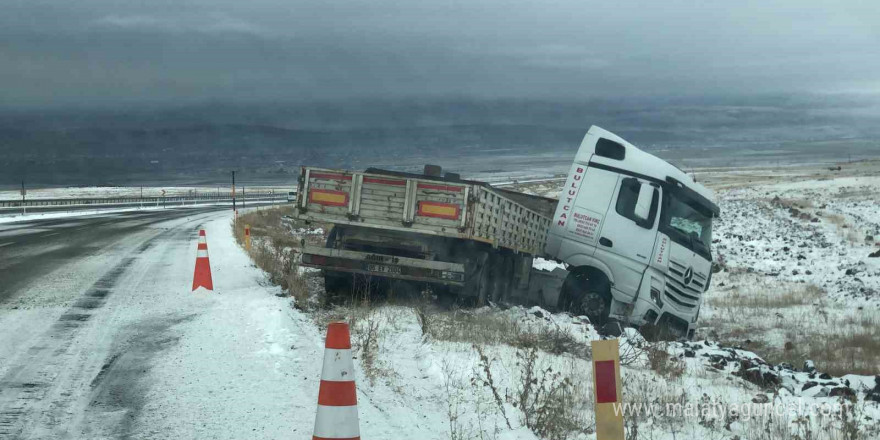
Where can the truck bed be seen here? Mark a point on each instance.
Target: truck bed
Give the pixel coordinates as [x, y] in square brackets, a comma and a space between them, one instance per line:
[417, 203]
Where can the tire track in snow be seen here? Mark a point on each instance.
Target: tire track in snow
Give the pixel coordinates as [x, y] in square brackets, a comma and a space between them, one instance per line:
[119, 389]
[111, 392]
[27, 383]
[30, 401]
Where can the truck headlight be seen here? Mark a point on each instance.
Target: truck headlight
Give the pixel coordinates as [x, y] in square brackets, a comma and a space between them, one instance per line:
[657, 292]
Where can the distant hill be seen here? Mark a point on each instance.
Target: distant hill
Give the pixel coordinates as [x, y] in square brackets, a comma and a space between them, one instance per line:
[205, 153]
[268, 142]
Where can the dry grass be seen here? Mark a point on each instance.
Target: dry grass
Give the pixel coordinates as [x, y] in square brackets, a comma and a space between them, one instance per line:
[847, 230]
[851, 347]
[268, 225]
[275, 249]
[552, 402]
[662, 363]
[803, 295]
[786, 322]
[855, 236]
[465, 326]
[496, 328]
[803, 209]
[836, 219]
[794, 203]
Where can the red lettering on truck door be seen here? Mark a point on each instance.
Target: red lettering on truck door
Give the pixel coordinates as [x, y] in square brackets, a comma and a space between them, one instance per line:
[572, 191]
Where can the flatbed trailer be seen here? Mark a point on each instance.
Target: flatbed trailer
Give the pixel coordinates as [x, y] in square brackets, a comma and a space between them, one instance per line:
[458, 234]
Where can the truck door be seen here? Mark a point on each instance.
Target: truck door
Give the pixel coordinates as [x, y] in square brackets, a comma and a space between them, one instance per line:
[582, 206]
[626, 240]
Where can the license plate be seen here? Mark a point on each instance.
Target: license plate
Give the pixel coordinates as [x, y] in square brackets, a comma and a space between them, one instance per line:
[381, 268]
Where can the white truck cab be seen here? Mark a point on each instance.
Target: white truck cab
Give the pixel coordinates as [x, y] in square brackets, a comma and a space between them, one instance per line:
[636, 233]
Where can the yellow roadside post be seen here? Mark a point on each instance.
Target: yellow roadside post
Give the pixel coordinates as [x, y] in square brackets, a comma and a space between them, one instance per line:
[606, 390]
[247, 237]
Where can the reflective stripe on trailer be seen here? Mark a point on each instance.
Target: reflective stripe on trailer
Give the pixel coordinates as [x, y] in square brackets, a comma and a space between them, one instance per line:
[439, 210]
[328, 197]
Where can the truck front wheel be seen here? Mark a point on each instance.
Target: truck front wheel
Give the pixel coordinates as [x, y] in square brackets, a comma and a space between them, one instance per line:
[587, 293]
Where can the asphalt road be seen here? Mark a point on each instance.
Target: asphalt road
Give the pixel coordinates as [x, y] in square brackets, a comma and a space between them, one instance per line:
[77, 332]
[30, 250]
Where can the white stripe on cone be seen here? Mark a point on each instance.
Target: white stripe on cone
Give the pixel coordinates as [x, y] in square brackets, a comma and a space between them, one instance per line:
[203, 253]
[203, 239]
[338, 366]
[337, 422]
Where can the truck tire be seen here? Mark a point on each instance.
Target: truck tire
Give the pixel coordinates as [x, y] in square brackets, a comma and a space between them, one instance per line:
[477, 284]
[331, 237]
[587, 293]
[447, 296]
[338, 284]
[499, 277]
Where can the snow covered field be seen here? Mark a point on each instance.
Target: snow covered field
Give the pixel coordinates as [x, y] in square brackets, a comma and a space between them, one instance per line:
[802, 273]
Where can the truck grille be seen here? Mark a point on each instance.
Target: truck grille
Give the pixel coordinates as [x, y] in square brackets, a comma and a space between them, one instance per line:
[685, 295]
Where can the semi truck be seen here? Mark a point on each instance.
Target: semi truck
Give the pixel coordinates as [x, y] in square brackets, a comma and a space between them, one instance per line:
[633, 232]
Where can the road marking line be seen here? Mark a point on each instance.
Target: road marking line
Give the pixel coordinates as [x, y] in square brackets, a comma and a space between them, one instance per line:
[7, 244]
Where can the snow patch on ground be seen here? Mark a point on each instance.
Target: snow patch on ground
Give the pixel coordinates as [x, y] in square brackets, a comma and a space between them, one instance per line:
[548, 265]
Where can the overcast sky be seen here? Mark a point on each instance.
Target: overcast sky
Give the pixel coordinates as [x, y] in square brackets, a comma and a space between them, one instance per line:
[100, 52]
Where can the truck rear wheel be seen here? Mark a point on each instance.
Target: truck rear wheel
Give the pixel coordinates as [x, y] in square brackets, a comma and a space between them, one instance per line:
[499, 277]
[338, 283]
[477, 285]
[587, 293]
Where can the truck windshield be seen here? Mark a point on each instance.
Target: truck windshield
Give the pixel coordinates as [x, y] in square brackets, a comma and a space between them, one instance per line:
[687, 223]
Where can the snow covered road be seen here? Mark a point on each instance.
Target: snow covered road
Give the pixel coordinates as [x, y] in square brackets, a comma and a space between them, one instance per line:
[102, 338]
[35, 250]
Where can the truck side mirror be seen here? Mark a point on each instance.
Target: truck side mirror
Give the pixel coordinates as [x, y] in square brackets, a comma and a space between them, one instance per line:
[642, 210]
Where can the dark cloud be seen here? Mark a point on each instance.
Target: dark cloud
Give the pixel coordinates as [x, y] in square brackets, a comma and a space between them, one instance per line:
[100, 52]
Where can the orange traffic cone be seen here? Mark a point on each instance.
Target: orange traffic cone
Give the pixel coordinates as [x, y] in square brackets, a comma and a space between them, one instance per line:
[202, 275]
[337, 416]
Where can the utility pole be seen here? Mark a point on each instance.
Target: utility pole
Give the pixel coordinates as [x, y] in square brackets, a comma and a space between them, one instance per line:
[23, 193]
[243, 197]
[142, 197]
[233, 193]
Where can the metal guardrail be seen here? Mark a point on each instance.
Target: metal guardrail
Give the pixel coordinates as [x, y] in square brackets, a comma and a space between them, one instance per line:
[8, 206]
